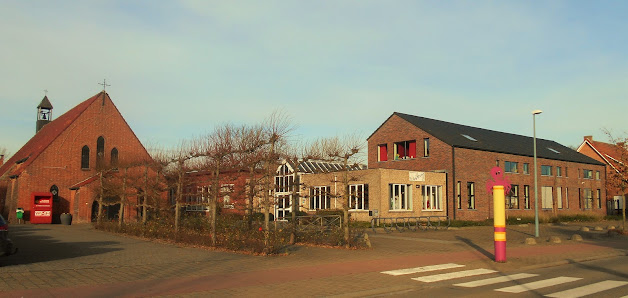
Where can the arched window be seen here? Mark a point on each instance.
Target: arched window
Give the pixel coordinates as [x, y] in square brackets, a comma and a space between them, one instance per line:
[114, 157]
[85, 158]
[100, 151]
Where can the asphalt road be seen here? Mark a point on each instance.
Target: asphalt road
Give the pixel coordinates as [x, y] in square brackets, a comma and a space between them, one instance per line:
[600, 278]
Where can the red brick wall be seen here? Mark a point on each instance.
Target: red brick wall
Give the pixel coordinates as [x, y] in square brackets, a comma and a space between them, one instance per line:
[474, 166]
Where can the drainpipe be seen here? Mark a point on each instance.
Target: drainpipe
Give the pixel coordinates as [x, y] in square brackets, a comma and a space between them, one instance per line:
[453, 182]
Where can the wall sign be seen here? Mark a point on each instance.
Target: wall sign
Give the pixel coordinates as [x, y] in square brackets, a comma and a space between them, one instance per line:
[417, 176]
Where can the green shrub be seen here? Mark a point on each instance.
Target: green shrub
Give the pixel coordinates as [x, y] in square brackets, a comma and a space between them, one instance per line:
[471, 223]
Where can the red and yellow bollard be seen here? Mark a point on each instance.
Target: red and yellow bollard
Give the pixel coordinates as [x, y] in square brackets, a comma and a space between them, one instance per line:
[499, 217]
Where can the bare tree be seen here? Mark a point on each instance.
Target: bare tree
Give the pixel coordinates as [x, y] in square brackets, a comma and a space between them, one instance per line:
[250, 143]
[618, 178]
[345, 151]
[296, 156]
[276, 129]
[219, 148]
[174, 165]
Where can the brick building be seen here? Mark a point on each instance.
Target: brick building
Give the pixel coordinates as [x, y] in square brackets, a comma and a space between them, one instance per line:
[233, 194]
[373, 192]
[568, 182]
[63, 157]
[612, 156]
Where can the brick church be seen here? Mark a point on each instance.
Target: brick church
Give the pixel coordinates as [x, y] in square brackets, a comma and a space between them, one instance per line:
[64, 156]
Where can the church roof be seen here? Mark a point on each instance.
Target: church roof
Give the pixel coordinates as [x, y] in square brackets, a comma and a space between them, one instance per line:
[44, 137]
[45, 103]
[468, 137]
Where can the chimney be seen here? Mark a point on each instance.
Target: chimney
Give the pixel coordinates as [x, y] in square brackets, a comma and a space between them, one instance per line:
[589, 138]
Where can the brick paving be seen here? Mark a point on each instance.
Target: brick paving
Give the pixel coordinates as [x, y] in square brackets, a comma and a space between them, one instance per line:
[61, 261]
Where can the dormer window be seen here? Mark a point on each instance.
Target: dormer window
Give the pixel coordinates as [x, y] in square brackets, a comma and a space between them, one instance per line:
[553, 150]
[405, 150]
[470, 138]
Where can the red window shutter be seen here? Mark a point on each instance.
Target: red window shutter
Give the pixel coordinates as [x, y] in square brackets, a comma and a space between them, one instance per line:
[412, 149]
[400, 150]
[383, 153]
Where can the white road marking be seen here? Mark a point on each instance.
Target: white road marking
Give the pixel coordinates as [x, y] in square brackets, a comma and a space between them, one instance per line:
[590, 289]
[459, 274]
[538, 284]
[495, 280]
[422, 269]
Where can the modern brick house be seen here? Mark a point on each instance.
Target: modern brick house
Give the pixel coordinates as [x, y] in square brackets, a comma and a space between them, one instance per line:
[568, 182]
[63, 156]
[612, 156]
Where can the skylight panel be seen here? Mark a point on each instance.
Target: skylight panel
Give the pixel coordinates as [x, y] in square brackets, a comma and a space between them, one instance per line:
[469, 137]
[553, 150]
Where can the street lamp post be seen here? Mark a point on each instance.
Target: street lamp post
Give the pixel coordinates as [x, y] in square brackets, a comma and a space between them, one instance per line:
[536, 192]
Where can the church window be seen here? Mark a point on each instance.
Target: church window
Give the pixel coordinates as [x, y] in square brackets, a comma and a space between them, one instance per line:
[85, 158]
[114, 157]
[100, 151]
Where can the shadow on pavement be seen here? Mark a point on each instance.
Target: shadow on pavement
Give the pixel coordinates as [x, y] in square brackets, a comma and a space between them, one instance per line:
[598, 269]
[476, 247]
[34, 246]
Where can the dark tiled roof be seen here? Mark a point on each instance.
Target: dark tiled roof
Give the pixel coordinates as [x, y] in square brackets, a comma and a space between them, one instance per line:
[45, 103]
[44, 137]
[495, 141]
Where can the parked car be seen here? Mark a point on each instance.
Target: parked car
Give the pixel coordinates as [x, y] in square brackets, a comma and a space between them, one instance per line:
[6, 246]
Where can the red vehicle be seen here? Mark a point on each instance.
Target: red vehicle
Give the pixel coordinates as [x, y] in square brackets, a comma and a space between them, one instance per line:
[6, 246]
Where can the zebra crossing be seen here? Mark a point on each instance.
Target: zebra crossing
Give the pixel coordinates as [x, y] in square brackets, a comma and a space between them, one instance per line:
[521, 287]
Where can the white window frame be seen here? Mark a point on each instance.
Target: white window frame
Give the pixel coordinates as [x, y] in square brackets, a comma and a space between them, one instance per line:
[320, 197]
[547, 199]
[225, 191]
[400, 197]
[432, 197]
[588, 199]
[354, 192]
[513, 196]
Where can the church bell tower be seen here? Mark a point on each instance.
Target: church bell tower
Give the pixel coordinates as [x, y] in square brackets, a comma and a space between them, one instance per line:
[44, 113]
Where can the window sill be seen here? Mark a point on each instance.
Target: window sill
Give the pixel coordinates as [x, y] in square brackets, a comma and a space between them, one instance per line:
[432, 210]
[401, 210]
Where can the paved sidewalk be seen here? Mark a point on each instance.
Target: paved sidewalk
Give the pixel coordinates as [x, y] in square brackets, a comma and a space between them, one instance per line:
[56, 261]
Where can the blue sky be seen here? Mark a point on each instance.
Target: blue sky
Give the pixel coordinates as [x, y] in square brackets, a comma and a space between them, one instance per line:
[178, 68]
